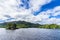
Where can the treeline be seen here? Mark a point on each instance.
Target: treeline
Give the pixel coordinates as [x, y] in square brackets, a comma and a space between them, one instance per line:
[23, 24]
[50, 26]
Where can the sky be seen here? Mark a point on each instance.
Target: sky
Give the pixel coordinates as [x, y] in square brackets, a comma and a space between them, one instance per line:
[34, 11]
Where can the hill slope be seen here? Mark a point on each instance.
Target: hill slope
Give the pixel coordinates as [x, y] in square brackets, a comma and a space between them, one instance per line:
[23, 24]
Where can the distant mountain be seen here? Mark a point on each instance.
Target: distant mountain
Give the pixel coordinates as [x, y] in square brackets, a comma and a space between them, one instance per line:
[23, 24]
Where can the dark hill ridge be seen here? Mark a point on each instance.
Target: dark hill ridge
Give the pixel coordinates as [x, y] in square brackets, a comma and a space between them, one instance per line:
[23, 24]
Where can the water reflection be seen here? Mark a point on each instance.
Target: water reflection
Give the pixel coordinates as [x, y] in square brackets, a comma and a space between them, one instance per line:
[30, 34]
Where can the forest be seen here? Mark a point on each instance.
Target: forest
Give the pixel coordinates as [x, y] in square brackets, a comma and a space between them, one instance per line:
[23, 24]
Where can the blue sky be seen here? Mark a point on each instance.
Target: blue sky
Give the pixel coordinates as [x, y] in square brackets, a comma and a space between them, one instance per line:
[42, 12]
[50, 5]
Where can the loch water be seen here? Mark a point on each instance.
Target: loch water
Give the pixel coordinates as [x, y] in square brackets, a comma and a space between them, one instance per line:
[30, 34]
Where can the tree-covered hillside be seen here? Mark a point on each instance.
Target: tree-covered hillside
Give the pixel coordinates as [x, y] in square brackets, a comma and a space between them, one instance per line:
[23, 24]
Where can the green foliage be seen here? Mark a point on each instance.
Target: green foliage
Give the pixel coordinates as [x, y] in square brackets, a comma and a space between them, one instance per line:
[23, 24]
[9, 25]
[50, 26]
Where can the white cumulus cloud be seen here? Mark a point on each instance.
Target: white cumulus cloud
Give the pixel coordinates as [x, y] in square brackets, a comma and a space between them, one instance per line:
[44, 16]
[12, 9]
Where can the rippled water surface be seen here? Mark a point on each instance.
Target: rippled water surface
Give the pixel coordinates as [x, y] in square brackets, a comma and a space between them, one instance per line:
[30, 34]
